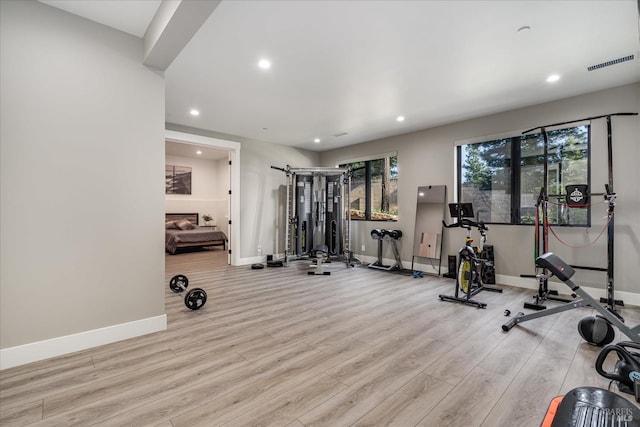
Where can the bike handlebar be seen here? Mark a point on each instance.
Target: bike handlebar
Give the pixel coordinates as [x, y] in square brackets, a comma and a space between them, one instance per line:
[467, 223]
[445, 225]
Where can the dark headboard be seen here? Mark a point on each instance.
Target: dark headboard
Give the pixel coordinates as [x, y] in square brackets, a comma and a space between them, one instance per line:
[193, 218]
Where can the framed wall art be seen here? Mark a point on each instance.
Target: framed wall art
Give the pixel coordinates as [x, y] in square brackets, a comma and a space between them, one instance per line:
[177, 179]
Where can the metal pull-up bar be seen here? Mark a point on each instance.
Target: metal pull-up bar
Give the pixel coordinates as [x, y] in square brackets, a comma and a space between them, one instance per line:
[610, 196]
[579, 120]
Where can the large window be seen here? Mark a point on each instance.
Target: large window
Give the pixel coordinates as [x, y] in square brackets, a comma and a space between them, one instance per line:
[374, 189]
[503, 178]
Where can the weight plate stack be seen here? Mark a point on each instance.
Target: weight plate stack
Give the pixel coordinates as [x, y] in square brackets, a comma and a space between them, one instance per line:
[179, 283]
[195, 299]
[488, 270]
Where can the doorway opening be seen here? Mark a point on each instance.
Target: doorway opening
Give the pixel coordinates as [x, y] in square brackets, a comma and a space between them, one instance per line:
[223, 206]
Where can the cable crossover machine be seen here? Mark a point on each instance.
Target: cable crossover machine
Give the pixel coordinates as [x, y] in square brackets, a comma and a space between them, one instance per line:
[576, 196]
[317, 226]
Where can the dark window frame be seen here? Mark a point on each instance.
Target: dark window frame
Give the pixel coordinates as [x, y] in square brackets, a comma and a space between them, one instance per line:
[515, 150]
[369, 188]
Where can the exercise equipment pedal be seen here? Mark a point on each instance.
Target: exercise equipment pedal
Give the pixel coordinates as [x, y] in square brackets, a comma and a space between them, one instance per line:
[195, 298]
[320, 255]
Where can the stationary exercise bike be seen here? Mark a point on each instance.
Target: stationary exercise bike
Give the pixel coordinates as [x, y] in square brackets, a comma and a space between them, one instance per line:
[472, 267]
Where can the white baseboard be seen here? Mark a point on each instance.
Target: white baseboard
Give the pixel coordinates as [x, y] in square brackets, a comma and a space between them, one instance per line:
[418, 265]
[629, 298]
[33, 352]
[366, 259]
[251, 260]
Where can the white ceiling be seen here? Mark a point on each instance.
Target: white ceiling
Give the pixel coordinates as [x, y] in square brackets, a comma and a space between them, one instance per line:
[130, 16]
[354, 66]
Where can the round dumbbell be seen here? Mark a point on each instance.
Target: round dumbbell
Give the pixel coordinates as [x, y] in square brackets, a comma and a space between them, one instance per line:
[394, 234]
[195, 298]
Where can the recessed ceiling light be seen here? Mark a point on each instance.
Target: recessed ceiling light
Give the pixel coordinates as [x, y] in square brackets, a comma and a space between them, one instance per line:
[553, 78]
[316, 140]
[194, 112]
[198, 152]
[400, 118]
[265, 64]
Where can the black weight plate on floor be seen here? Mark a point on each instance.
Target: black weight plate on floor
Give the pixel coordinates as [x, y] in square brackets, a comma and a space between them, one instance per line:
[488, 275]
[176, 281]
[195, 298]
[275, 263]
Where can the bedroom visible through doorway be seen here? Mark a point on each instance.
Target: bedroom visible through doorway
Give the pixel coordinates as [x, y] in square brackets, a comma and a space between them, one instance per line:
[210, 163]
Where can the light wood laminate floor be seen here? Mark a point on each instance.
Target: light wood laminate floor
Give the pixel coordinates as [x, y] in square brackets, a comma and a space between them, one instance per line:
[278, 347]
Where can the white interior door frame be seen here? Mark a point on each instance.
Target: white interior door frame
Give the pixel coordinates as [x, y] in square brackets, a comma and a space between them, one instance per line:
[234, 181]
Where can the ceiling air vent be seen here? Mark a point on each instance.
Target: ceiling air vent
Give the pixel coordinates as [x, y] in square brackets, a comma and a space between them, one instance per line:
[612, 62]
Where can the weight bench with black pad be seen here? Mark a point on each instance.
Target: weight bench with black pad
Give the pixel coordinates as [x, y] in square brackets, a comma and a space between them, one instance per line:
[564, 272]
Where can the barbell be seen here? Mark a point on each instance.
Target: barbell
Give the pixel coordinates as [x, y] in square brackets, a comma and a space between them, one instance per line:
[195, 298]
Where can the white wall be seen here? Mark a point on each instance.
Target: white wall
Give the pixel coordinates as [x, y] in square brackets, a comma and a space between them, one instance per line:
[209, 190]
[82, 197]
[427, 157]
